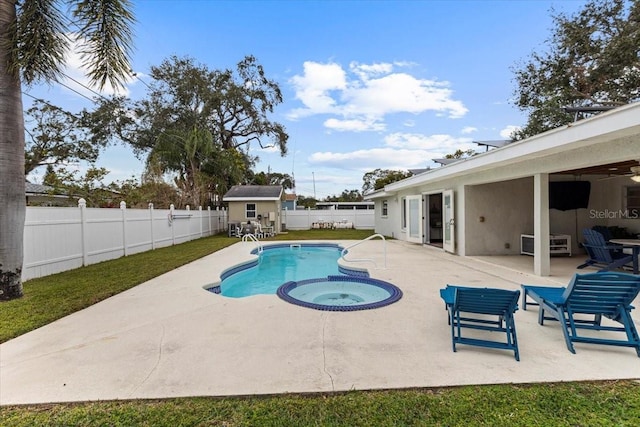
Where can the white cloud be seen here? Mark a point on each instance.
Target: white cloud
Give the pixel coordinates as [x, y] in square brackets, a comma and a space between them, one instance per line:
[436, 143]
[400, 151]
[366, 160]
[507, 131]
[314, 88]
[365, 71]
[468, 129]
[369, 92]
[354, 125]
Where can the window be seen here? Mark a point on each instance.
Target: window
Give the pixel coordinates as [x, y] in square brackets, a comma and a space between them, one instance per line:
[404, 213]
[250, 210]
[632, 202]
[385, 208]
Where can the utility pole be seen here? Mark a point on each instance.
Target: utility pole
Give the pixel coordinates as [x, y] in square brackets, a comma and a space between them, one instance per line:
[313, 175]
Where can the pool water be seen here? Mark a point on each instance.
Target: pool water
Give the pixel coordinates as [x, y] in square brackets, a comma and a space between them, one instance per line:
[280, 264]
[340, 293]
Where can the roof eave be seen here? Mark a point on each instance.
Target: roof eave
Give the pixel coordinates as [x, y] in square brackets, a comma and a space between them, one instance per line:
[583, 133]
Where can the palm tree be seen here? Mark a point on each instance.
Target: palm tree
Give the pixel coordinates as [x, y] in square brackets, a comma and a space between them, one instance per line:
[34, 39]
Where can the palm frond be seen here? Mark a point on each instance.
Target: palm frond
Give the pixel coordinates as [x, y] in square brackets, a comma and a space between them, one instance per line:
[105, 29]
[40, 42]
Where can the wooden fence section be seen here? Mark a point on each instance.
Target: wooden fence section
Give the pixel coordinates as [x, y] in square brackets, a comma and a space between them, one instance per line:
[58, 239]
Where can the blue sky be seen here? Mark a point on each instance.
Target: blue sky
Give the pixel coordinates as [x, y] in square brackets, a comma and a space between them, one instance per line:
[366, 84]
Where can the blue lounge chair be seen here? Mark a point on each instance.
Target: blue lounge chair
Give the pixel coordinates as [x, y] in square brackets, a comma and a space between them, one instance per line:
[605, 255]
[597, 294]
[481, 306]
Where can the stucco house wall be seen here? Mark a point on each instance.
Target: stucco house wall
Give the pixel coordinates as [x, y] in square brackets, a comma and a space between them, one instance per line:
[496, 215]
[499, 185]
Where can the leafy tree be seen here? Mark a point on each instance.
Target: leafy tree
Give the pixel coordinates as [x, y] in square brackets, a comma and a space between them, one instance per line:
[307, 202]
[139, 195]
[33, 44]
[378, 178]
[460, 154]
[346, 196]
[55, 137]
[273, 178]
[225, 169]
[593, 59]
[184, 153]
[232, 106]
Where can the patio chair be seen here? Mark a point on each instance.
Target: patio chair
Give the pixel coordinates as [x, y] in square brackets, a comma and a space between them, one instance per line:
[484, 309]
[607, 294]
[605, 255]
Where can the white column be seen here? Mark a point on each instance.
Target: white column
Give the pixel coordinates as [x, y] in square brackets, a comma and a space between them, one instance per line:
[541, 255]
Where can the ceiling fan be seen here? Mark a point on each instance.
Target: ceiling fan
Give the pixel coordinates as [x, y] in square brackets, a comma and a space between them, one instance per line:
[634, 174]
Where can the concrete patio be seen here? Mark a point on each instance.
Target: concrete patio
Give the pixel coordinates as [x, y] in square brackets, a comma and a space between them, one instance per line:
[169, 337]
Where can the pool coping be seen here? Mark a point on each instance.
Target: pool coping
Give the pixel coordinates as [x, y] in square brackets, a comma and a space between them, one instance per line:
[395, 294]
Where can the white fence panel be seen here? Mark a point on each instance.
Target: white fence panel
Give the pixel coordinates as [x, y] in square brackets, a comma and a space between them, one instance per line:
[138, 234]
[58, 239]
[362, 219]
[52, 241]
[104, 234]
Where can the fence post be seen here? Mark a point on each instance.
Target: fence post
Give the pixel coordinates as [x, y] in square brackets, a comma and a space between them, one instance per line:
[82, 204]
[355, 217]
[189, 235]
[209, 216]
[123, 208]
[173, 231]
[200, 218]
[153, 239]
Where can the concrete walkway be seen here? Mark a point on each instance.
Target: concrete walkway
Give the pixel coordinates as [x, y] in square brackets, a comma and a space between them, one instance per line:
[169, 337]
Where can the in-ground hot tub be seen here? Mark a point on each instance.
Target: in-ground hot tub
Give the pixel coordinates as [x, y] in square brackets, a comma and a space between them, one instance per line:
[340, 293]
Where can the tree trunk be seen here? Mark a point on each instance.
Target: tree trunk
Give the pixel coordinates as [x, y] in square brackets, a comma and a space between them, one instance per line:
[12, 179]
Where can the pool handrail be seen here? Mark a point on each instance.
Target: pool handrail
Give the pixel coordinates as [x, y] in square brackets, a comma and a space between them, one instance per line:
[384, 248]
[249, 236]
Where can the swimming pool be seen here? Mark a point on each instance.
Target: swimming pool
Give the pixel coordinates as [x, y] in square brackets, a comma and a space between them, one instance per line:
[306, 274]
[278, 264]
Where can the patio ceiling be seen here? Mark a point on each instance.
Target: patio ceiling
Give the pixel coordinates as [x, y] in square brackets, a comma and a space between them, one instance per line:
[619, 168]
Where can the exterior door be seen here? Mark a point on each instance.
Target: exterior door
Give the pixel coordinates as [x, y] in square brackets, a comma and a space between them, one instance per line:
[414, 223]
[448, 221]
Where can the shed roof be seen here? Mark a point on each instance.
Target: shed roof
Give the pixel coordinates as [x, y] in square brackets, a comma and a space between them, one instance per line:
[253, 192]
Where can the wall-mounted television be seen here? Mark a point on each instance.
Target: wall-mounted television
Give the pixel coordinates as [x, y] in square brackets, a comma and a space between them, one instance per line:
[568, 195]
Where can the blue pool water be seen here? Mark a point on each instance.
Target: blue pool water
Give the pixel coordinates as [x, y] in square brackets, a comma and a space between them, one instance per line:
[279, 264]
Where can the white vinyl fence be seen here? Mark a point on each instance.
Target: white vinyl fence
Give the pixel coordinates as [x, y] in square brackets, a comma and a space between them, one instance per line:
[58, 239]
[362, 219]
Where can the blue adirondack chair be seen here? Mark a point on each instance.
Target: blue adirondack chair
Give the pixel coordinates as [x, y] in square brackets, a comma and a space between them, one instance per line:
[605, 255]
[608, 294]
[483, 309]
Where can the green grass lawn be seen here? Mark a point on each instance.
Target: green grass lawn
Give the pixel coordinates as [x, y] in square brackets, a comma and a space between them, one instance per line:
[52, 297]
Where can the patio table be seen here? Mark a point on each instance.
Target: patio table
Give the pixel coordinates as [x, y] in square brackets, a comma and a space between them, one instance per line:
[634, 245]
